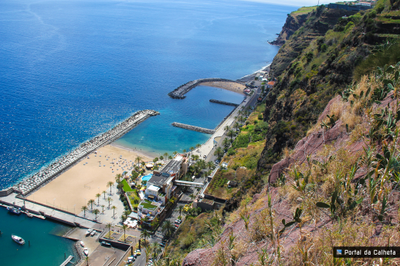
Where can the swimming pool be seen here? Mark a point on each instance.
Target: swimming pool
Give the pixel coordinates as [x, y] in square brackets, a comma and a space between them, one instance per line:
[146, 177]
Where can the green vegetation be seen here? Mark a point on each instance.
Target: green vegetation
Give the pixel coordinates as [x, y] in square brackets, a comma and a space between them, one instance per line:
[148, 204]
[304, 10]
[126, 187]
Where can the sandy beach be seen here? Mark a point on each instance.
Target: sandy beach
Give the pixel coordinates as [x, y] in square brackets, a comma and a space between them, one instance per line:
[76, 186]
[231, 86]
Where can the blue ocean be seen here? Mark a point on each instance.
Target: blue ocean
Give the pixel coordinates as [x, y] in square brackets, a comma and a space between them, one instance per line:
[70, 70]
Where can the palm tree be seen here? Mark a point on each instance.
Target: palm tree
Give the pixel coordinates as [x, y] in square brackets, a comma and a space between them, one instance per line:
[226, 143]
[175, 153]
[84, 209]
[191, 149]
[155, 160]
[109, 202]
[144, 234]
[104, 194]
[124, 227]
[109, 184]
[87, 261]
[236, 126]
[96, 212]
[109, 229]
[184, 150]
[226, 128]
[198, 145]
[113, 208]
[102, 208]
[231, 133]
[167, 228]
[166, 155]
[155, 248]
[118, 178]
[91, 201]
[98, 198]
[219, 152]
[161, 157]
[210, 165]
[138, 160]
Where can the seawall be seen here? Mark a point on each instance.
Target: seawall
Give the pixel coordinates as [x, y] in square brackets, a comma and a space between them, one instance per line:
[179, 93]
[223, 102]
[194, 128]
[54, 169]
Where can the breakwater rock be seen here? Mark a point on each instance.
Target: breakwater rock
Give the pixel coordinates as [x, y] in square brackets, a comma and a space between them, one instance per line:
[194, 128]
[223, 102]
[46, 174]
[179, 93]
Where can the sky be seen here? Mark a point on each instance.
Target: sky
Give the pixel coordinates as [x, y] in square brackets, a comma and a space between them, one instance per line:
[297, 3]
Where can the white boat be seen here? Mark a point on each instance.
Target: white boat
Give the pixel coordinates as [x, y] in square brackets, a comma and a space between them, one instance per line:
[18, 239]
[82, 244]
[86, 251]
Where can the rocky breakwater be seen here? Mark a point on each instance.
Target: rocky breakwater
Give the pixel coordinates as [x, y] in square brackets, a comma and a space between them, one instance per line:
[223, 102]
[46, 174]
[194, 128]
[179, 93]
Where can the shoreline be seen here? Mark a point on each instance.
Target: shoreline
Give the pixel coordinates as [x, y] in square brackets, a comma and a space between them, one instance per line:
[67, 161]
[142, 153]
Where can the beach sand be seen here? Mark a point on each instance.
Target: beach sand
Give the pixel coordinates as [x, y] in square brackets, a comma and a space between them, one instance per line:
[76, 186]
[232, 86]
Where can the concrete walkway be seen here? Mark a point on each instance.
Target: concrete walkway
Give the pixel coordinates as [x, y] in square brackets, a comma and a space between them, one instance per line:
[207, 147]
[48, 212]
[108, 215]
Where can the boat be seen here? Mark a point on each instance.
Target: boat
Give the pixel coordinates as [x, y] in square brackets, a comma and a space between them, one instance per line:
[14, 210]
[18, 239]
[30, 215]
[86, 251]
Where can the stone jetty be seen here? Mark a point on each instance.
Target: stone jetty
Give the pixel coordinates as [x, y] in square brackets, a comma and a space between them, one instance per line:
[46, 174]
[194, 128]
[223, 102]
[179, 93]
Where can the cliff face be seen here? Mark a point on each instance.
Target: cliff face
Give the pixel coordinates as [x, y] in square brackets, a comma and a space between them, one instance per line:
[299, 31]
[293, 23]
[324, 154]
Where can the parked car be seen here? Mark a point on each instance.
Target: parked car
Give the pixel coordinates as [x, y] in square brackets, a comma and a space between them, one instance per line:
[178, 221]
[162, 244]
[106, 244]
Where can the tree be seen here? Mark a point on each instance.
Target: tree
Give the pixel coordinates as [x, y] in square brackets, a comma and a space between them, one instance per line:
[161, 157]
[166, 155]
[184, 150]
[124, 227]
[104, 194]
[236, 126]
[98, 198]
[138, 160]
[155, 160]
[109, 184]
[167, 228]
[226, 128]
[102, 208]
[109, 202]
[96, 212]
[109, 229]
[198, 145]
[219, 152]
[84, 209]
[91, 201]
[231, 133]
[144, 234]
[113, 208]
[226, 143]
[175, 153]
[118, 178]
